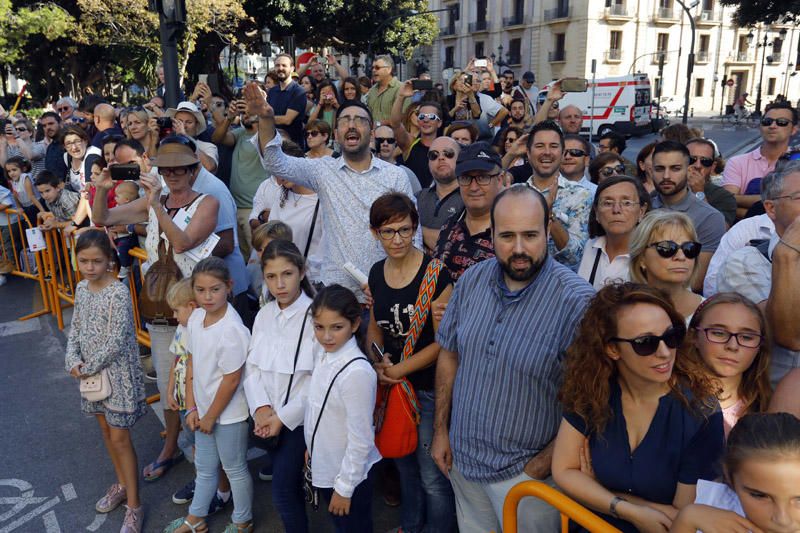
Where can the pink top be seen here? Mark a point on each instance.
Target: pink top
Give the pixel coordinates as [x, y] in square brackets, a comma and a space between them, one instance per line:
[731, 415]
[742, 169]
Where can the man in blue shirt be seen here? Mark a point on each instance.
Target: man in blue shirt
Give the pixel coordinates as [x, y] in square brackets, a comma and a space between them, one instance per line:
[288, 99]
[507, 325]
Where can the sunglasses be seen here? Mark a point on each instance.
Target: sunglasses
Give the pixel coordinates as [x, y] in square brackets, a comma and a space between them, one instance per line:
[648, 344]
[667, 249]
[22, 129]
[312, 133]
[433, 155]
[705, 161]
[617, 170]
[782, 122]
[575, 152]
[65, 108]
[428, 116]
[381, 140]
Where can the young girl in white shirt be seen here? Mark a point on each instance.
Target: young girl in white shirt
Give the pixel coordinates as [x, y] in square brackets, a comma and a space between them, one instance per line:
[338, 431]
[216, 407]
[762, 475]
[278, 373]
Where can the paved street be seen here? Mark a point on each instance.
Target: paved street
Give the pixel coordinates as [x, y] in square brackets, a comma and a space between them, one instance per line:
[54, 466]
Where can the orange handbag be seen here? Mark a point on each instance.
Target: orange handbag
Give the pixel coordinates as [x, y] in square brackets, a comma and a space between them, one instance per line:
[396, 408]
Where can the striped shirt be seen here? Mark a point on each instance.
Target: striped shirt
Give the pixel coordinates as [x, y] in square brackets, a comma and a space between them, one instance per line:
[510, 362]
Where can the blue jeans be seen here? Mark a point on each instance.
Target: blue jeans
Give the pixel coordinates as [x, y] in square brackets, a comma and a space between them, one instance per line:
[287, 479]
[226, 444]
[428, 500]
[360, 518]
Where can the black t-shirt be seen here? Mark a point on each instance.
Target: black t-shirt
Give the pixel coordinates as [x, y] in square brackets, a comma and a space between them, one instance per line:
[418, 163]
[521, 173]
[392, 309]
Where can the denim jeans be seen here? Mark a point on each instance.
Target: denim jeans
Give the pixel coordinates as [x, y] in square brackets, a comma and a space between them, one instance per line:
[360, 518]
[287, 479]
[226, 444]
[428, 501]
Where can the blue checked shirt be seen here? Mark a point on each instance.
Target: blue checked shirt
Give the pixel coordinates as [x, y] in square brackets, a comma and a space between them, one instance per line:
[510, 354]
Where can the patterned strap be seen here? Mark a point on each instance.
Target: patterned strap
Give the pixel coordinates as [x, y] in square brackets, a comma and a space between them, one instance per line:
[422, 306]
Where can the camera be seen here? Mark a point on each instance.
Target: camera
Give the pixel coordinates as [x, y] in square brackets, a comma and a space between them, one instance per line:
[165, 126]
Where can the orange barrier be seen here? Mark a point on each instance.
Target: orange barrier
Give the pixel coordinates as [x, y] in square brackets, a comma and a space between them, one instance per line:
[23, 267]
[569, 508]
[142, 334]
[61, 272]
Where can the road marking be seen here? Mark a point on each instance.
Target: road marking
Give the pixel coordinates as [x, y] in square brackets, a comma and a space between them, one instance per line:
[19, 327]
[27, 517]
[51, 522]
[20, 502]
[99, 520]
[69, 492]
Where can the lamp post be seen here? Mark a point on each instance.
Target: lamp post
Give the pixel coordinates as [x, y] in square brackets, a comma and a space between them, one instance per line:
[266, 44]
[690, 61]
[764, 59]
[171, 25]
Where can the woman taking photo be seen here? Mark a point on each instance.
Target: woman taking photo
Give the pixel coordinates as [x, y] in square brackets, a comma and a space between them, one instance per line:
[641, 423]
[462, 102]
[138, 127]
[396, 283]
[664, 250]
[619, 205]
[328, 101]
[78, 156]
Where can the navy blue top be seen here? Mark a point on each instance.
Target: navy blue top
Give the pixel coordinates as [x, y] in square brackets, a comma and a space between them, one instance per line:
[293, 97]
[680, 447]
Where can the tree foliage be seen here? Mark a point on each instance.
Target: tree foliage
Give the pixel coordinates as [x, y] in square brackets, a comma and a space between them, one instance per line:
[751, 12]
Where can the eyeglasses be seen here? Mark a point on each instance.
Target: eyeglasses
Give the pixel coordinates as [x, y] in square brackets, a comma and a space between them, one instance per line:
[483, 179]
[387, 140]
[608, 205]
[667, 249]
[722, 336]
[433, 155]
[782, 122]
[793, 197]
[387, 234]
[359, 121]
[648, 344]
[174, 171]
[428, 116]
[21, 130]
[705, 161]
[575, 152]
[617, 170]
[63, 108]
[312, 133]
[74, 143]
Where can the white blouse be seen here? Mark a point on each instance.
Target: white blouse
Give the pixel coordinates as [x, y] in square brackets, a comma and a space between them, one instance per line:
[270, 360]
[217, 350]
[607, 271]
[298, 213]
[344, 448]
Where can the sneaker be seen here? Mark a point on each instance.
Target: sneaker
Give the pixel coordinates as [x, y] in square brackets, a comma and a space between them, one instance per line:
[217, 504]
[3, 280]
[116, 495]
[123, 272]
[184, 495]
[265, 474]
[132, 523]
[151, 376]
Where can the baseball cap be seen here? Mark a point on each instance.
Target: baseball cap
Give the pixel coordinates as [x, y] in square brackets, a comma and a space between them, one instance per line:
[529, 77]
[477, 156]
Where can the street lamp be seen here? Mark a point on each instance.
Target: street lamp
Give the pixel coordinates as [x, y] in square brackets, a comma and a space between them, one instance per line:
[690, 63]
[500, 61]
[764, 44]
[266, 43]
[172, 23]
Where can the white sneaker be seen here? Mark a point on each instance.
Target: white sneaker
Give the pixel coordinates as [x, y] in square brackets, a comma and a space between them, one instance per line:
[3, 280]
[123, 272]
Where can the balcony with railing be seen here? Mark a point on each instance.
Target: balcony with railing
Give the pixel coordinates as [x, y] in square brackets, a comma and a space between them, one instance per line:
[702, 56]
[514, 20]
[776, 57]
[655, 58]
[557, 14]
[447, 31]
[613, 55]
[617, 13]
[479, 25]
[708, 17]
[665, 15]
[740, 57]
[557, 56]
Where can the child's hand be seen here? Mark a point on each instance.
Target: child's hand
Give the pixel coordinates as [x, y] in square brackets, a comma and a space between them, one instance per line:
[192, 420]
[340, 506]
[261, 418]
[274, 426]
[172, 404]
[76, 371]
[206, 425]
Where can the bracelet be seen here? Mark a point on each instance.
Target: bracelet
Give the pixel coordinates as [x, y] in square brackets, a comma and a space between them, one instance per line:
[612, 507]
[791, 247]
[190, 411]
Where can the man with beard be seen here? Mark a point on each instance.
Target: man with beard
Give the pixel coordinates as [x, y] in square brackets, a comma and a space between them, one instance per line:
[415, 150]
[702, 161]
[54, 151]
[288, 99]
[466, 238]
[670, 177]
[570, 203]
[246, 171]
[497, 378]
[442, 199]
[347, 186]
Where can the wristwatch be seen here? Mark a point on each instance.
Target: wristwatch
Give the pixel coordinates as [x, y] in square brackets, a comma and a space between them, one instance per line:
[612, 507]
[561, 217]
[700, 195]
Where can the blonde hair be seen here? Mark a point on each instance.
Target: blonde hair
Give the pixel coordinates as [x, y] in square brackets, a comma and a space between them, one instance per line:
[181, 293]
[272, 230]
[653, 223]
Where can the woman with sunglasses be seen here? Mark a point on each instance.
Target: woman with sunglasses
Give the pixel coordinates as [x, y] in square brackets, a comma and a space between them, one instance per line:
[508, 137]
[606, 165]
[641, 422]
[415, 150]
[395, 283]
[664, 252]
[318, 133]
[619, 204]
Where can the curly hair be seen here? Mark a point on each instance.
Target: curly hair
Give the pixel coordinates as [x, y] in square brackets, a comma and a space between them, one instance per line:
[586, 389]
[755, 390]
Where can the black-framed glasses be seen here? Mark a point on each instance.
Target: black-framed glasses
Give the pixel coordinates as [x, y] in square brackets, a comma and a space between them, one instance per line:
[22, 129]
[705, 161]
[575, 152]
[433, 155]
[482, 179]
[174, 171]
[387, 140]
[722, 336]
[428, 116]
[387, 234]
[667, 249]
[616, 170]
[645, 345]
[782, 122]
[312, 133]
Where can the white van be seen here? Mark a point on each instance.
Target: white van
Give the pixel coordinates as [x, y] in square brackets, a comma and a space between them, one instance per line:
[621, 104]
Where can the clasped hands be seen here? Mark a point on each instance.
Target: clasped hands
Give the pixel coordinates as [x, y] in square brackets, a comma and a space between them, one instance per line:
[267, 422]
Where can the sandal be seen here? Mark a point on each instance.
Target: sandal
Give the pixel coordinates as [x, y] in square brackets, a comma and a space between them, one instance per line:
[199, 527]
[161, 466]
[247, 527]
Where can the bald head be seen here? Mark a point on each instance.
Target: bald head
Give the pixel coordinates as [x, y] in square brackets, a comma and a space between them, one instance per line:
[385, 143]
[443, 168]
[571, 119]
[103, 116]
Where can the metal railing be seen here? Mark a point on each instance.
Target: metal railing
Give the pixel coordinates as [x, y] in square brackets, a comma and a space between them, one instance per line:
[657, 55]
[557, 55]
[702, 56]
[514, 20]
[447, 31]
[618, 10]
[557, 13]
[665, 13]
[613, 54]
[478, 25]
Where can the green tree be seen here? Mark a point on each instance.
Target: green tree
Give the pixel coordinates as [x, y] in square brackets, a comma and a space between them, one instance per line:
[751, 12]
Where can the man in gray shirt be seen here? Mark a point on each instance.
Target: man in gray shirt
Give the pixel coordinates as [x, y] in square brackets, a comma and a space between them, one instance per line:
[442, 199]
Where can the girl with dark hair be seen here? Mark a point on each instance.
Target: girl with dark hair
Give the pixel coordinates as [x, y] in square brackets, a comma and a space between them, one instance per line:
[644, 166]
[327, 102]
[762, 481]
[338, 424]
[18, 171]
[280, 361]
[729, 334]
[641, 421]
[350, 90]
[102, 343]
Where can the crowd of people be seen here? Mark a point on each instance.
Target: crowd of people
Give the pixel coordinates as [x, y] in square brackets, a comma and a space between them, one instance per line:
[336, 265]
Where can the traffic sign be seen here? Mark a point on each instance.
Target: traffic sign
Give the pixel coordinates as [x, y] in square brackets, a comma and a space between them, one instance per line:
[730, 82]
